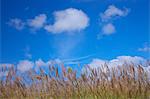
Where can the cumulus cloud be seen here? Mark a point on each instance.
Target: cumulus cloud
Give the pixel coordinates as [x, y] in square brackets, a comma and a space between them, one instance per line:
[113, 12]
[108, 17]
[119, 61]
[17, 23]
[97, 63]
[108, 29]
[25, 65]
[68, 20]
[38, 22]
[136, 60]
[40, 62]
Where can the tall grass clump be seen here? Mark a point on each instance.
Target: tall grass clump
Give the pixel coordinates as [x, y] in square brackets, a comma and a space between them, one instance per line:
[120, 82]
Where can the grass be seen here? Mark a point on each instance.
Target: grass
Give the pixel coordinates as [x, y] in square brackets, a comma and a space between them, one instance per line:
[122, 82]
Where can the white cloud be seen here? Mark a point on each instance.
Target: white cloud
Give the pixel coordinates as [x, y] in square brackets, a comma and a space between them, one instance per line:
[113, 12]
[25, 65]
[107, 18]
[136, 60]
[119, 61]
[17, 23]
[40, 62]
[38, 22]
[68, 20]
[58, 61]
[108, 29]
[146, 48]
[97, 63]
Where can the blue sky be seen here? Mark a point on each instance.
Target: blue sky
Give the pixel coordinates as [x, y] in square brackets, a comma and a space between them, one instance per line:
[73, 29]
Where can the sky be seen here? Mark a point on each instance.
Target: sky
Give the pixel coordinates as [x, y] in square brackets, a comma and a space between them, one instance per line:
[73, 31]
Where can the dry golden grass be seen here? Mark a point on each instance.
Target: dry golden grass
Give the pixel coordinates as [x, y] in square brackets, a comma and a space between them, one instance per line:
[124, 82]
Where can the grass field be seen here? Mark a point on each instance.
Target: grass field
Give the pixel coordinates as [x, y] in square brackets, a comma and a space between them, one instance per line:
[122, 82]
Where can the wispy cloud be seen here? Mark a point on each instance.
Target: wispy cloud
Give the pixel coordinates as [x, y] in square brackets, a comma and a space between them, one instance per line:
[27, 52]
[38, 22]
[145, 48]
[68, 20]
[73, 61]
[64, 46]
[79, 58]
[16, 23]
